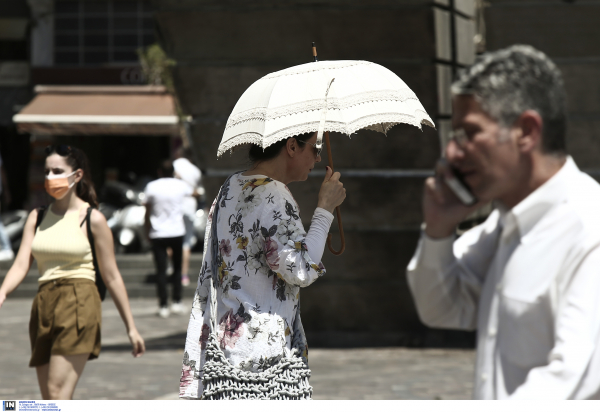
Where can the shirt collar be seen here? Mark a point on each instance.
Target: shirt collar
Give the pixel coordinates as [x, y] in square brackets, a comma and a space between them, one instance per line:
[530, 210]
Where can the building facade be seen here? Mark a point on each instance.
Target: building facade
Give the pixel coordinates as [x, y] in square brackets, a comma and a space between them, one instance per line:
[222, 47]
[77, 79]
[566, 30]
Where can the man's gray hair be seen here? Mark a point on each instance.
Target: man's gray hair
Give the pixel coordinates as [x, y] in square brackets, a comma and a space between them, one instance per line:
[510, 81]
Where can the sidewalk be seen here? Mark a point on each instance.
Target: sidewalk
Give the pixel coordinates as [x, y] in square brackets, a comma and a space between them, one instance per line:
[386, 373]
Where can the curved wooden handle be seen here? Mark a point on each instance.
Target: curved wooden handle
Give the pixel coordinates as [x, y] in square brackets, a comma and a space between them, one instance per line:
[342, 239]
[337, 209]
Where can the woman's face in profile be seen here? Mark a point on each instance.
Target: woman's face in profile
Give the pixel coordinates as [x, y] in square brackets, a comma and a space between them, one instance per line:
[304, 161]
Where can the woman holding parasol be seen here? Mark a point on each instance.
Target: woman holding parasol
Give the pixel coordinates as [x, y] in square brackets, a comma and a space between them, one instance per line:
[259, 254]
[263, 258]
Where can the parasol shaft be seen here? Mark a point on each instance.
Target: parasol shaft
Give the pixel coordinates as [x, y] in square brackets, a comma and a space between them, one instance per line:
[337, 209]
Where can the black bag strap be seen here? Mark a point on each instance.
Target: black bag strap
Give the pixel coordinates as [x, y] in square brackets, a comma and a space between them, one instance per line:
[40, 217]
[99, 281]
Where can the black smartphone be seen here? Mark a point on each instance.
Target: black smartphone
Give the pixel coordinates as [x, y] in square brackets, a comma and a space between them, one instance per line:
[458, 186]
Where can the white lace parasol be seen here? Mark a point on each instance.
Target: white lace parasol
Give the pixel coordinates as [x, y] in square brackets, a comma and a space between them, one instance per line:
[335, 96]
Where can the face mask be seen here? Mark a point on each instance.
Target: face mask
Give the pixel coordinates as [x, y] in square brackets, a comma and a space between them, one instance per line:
[58, 185]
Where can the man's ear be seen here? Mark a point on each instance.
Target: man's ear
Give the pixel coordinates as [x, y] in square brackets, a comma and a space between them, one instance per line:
[291, 147]
[530, 126]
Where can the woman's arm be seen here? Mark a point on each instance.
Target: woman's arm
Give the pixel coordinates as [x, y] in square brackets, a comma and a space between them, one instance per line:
[107, 264]
[331, 194]
[22, 263]
[317, 233]
[283, 239]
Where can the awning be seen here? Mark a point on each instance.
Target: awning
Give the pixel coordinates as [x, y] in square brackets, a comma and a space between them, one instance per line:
[99, 110]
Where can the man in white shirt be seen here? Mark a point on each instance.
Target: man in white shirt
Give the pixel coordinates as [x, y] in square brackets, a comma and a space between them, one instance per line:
[189, 173]
[528, 278]
[165, 228]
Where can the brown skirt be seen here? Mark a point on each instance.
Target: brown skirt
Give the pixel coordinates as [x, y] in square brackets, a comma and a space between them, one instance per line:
[66, 316]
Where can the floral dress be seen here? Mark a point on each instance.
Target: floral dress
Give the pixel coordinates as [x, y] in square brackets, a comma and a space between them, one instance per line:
[262, 263]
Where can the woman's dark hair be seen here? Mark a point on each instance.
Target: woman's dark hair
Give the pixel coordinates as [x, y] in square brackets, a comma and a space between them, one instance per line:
[77, 159]
[257, 154]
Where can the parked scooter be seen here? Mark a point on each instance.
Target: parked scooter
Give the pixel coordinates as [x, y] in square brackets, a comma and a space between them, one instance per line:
[122, 206]
[14, 223]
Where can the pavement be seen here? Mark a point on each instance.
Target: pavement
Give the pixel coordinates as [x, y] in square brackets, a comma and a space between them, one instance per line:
[369, 373]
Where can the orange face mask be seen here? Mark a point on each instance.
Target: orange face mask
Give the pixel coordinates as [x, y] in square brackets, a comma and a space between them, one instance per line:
[58, 185]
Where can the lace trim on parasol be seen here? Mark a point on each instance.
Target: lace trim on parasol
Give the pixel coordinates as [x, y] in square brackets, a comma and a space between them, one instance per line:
[333, 103]
[244, 138]
[379, 123]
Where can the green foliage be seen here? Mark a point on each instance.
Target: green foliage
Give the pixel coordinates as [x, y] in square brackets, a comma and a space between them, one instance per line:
[157, 66]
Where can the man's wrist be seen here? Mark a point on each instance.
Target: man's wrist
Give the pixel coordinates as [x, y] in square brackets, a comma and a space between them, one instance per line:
[438, 233]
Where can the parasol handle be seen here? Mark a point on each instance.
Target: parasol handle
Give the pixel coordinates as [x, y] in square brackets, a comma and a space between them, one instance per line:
[337, 209]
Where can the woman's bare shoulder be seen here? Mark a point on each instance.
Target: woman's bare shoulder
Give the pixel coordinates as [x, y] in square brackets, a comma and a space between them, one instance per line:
[97, 219]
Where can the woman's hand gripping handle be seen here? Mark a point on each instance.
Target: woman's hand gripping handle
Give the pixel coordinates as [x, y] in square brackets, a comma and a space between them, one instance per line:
[332, 192]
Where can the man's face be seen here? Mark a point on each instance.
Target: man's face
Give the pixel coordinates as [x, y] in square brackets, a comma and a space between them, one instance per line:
[489, 159]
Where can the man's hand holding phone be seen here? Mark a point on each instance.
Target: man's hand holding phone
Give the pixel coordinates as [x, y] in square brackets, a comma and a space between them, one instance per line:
[444, 201]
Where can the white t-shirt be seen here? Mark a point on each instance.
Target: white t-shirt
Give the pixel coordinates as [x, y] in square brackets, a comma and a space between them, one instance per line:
[192, 176]
[166, 197]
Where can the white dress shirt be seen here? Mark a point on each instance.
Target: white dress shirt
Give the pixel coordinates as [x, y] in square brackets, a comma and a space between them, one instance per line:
[528, 279]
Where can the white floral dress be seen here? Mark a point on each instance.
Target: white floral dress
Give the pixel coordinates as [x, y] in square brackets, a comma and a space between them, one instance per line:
[262, 264]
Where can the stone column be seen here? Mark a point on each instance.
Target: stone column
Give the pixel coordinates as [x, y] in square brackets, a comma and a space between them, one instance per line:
[42, 33]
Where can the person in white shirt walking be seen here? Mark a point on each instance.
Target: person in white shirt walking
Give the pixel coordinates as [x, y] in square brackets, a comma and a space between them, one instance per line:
[528, 278]
[165, 228]
[189, 173]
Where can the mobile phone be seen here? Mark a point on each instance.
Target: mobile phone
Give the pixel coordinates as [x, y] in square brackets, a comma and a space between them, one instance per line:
[458, 186]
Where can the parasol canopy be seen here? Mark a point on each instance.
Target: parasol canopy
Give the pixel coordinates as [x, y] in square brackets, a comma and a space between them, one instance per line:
[334, 96]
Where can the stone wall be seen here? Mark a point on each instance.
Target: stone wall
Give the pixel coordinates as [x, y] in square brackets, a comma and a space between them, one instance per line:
[222, 47]
[568, 33]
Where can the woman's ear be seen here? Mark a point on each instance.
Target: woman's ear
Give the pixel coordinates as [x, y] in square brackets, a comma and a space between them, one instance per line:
[291, 147]
[78, 175]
